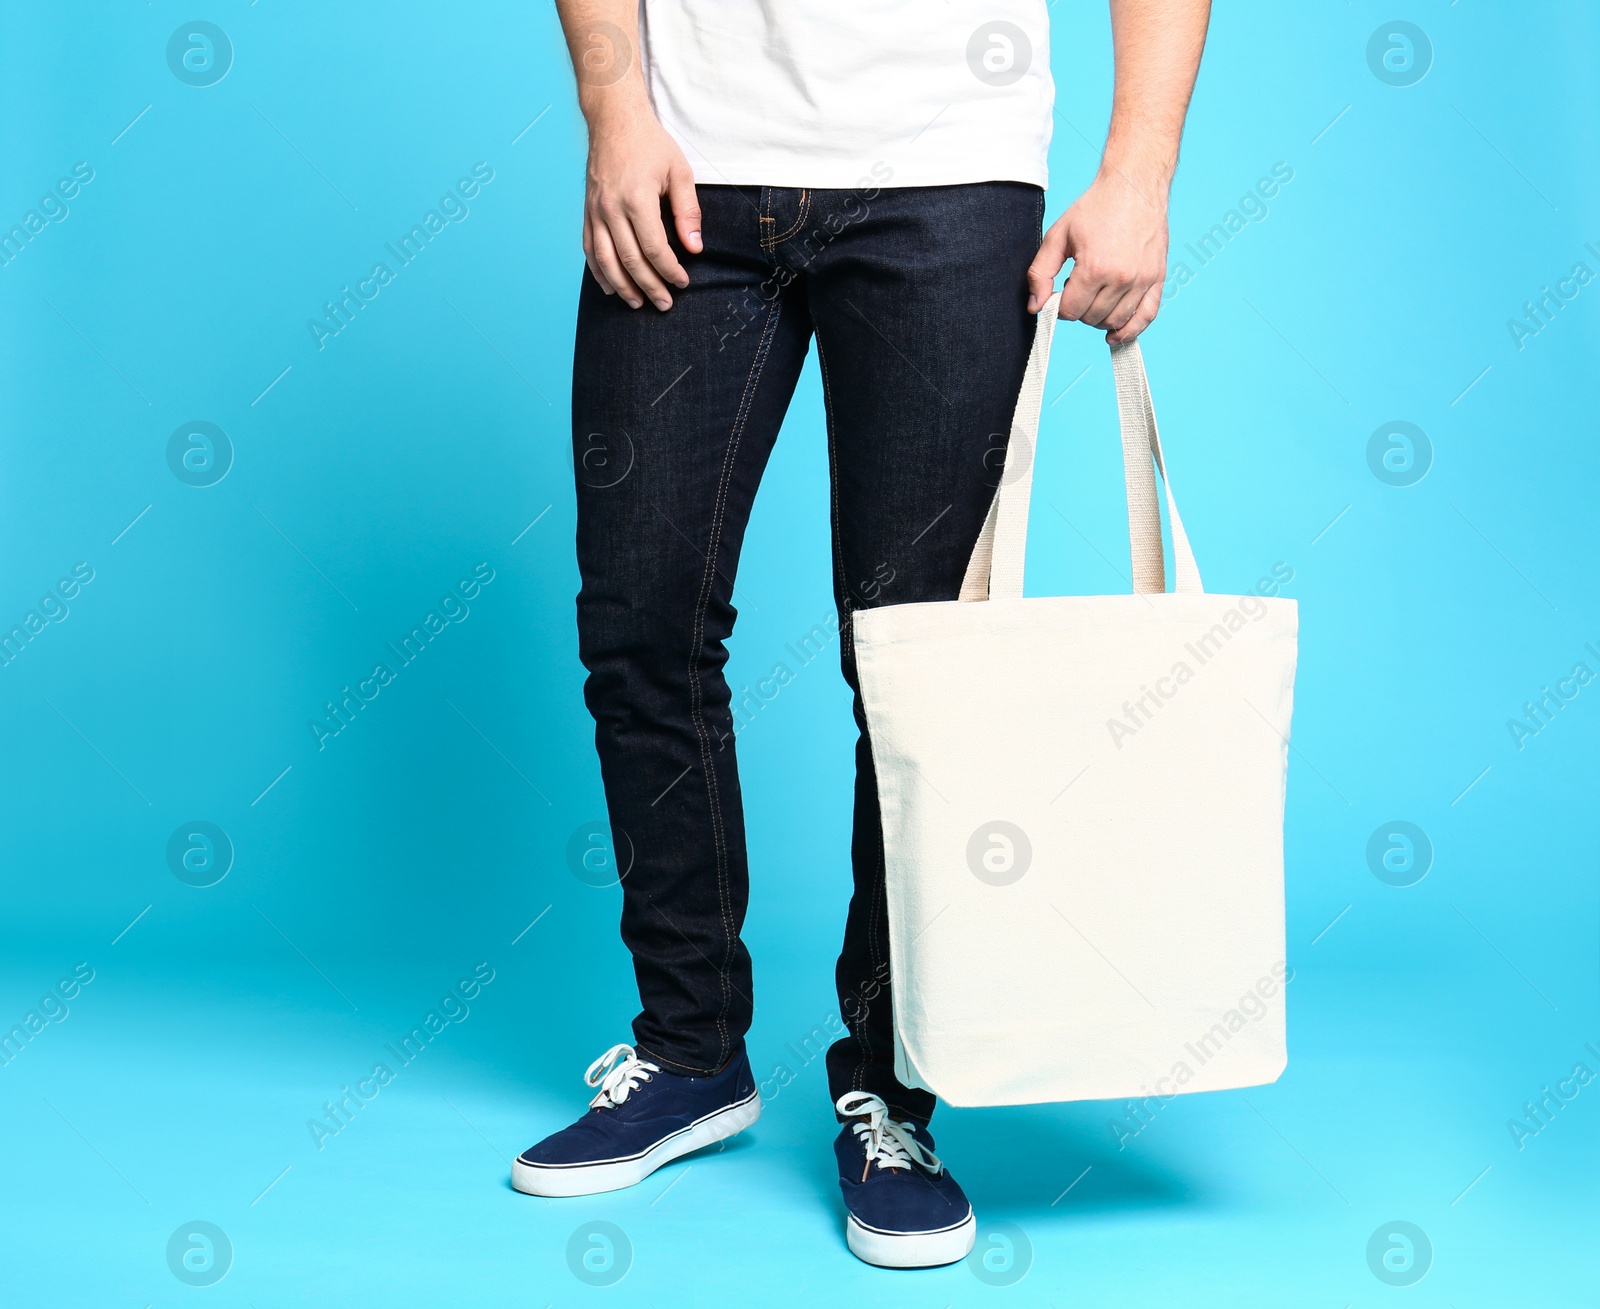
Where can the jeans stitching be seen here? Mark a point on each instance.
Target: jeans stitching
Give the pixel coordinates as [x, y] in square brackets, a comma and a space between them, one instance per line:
[801, 214]
[676, 1063]
[872, 953]
[833, 479]
[859, 1073]
[696, 717]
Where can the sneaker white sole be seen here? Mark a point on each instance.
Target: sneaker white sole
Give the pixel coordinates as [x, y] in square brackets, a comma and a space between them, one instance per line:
[911, 1249]
[614, 1175]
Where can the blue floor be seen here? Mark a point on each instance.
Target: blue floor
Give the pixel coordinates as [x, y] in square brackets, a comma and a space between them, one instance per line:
[158, 1105]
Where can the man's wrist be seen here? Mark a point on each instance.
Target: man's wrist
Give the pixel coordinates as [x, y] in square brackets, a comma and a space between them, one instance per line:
[608, 108]
[1148, 173]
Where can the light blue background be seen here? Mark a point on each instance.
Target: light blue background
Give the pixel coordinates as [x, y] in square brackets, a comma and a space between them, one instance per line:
[431, 436]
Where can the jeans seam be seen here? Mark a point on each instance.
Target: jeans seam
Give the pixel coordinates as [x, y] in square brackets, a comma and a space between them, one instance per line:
[764, 215]
[872, 954]
[833, 480]
[676, 1063]
[858, 1075]
[702, 604]
[801, 215]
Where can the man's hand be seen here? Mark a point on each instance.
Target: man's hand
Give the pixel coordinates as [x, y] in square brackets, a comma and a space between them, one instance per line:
[632, 160]
[1116, 236]
[632, 164]
[1116, 232]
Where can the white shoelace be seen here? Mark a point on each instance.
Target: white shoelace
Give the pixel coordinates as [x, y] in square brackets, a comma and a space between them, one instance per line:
[617, 1072]
[889, 1144]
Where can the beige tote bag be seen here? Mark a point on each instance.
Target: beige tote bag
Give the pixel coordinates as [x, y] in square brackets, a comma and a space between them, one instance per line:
[1083, 809]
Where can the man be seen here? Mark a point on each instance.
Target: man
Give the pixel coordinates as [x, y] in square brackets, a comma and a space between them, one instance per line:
[761, 172]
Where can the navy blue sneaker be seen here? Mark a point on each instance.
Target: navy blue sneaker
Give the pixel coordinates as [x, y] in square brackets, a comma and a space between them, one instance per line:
[640, 1118]
[906, 1211]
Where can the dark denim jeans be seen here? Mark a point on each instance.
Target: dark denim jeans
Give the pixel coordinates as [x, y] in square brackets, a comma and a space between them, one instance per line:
[917, 299]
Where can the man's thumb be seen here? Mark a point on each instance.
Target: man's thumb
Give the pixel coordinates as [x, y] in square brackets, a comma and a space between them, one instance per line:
[685, 207]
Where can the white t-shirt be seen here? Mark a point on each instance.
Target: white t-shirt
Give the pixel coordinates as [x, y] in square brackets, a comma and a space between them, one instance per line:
[848, 93]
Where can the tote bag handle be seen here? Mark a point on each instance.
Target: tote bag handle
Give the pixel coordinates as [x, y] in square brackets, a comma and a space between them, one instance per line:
[994, 571]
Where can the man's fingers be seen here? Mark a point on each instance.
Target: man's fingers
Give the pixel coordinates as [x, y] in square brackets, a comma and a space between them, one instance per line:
[1148, 308]
[1083, 287]
[1046, 264]
[1108, 293]
[650, 230]
[589, 258]
[1122, 312]
[612, 279]
[685, 204]
[637, 266]
[611, 269]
